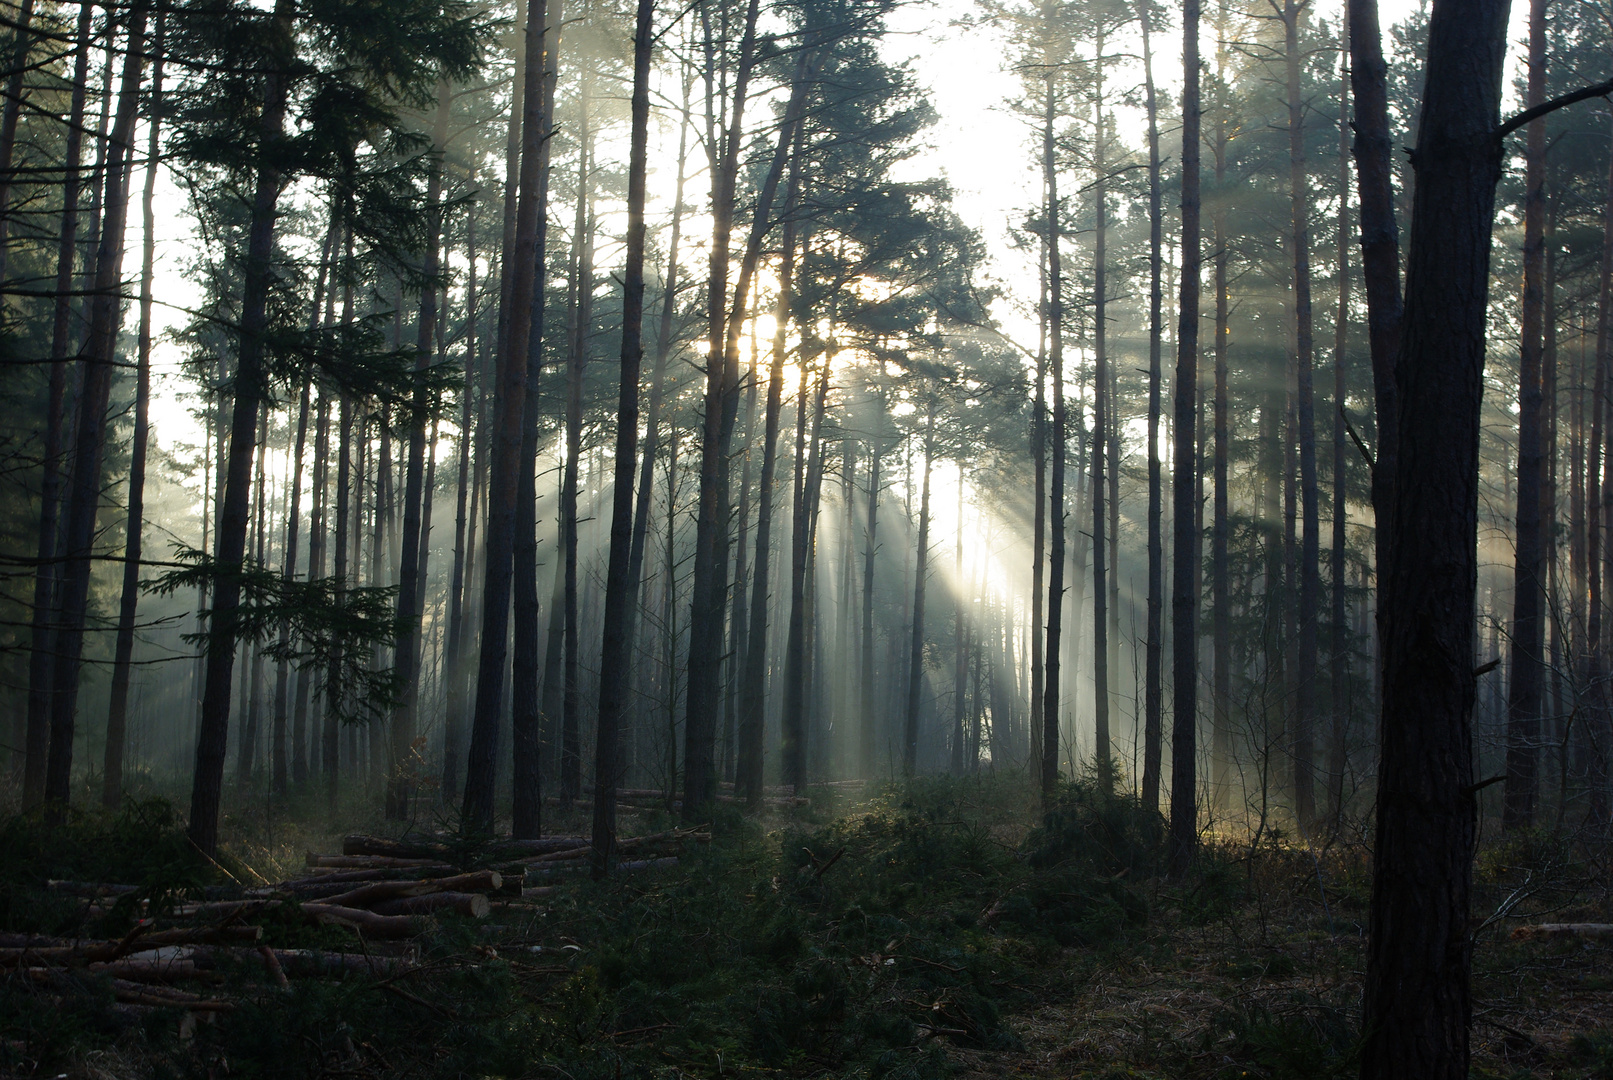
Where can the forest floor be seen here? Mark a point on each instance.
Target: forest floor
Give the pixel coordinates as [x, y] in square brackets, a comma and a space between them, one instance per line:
[941, 929]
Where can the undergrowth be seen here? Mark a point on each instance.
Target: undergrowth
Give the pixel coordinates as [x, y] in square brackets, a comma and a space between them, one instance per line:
[943, 927]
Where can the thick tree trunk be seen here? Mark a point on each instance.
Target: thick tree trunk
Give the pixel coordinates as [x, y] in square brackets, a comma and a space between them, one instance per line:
[123, 651]
[1417, 1003]
[1528, 580]
[616, 649]
[249, 386]
[509, 470]
[1185, 556]
[1380, 255]
[708, 592]
[84, 489]
[47, 577]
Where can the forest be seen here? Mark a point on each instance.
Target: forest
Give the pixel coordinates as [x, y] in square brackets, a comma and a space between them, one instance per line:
[827, 538]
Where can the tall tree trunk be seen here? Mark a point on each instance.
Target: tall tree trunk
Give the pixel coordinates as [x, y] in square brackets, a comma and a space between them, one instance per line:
[47, 577]
[509, 472]
[915, 670]
[1101, 593]
[411, 581]
[960, 651]
[577, 363]
[454, 651]
[1154, 696]
[616, 648]
[1185, 556]
[249, 388]
[740, 617]
[1220, 530]
[867, 698]
[1598, 520]
[84, 490]
[706, 602]
[288, 571]
[330, 752]
[304, 728]
[1310, 576]
[1340, 648]
[1039, 501]
[251, 708]
[1417, 1003]
[663, 350]
[123, 651]
[1380, 256]
[9, 116]
[1528, 616]
[1051, 654]
[793, 748]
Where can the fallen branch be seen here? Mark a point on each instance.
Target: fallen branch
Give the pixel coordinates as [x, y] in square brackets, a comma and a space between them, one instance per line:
[1552, 931]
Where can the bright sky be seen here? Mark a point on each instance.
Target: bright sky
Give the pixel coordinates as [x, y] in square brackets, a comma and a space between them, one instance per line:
[978, 144]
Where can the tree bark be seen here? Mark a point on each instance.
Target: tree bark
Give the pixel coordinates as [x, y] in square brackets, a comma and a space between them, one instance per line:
[1528, 615]
[615, 651]
[47, 577]
[1380, 255]
[707, 591]
[454, 651]
[1220, 531]
[123, 650]
[508, 473]
[84, 491]
[1051, 654]
[1153, 691]
[1310, 577]
[1339, 712]
[411, 580]
[1184, 599]
[1417, 1003]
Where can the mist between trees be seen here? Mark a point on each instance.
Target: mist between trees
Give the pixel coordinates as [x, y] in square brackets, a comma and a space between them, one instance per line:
[591, 399]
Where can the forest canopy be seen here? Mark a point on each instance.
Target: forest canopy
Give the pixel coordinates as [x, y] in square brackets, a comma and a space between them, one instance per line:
[474, 421]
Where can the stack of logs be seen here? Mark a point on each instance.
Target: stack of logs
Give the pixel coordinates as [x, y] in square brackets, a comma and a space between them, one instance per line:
[382, 890]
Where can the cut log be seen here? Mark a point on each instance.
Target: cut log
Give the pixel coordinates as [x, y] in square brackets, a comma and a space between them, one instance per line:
[1551, 931]
[88, 952]
[324, 878]
[315, 963]
[372, 924]
[361, 844]
[370, 862]
[473, 905]
[90, 889]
